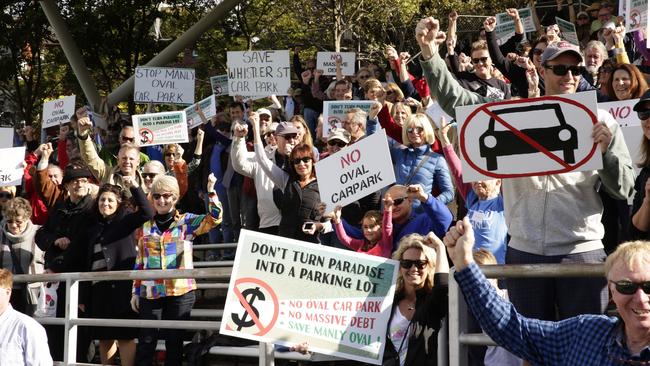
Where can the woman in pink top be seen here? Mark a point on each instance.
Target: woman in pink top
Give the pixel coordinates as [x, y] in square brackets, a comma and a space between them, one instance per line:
[378, 232]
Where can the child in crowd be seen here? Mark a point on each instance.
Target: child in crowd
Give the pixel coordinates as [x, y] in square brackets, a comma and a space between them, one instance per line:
[377, 231]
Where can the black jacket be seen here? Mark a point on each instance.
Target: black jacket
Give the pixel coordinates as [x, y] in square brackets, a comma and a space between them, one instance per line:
[299, 205]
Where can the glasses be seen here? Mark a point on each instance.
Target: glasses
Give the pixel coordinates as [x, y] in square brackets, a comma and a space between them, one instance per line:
[304, 159]
[6, 195]
[409, 263]
[80, 181]
[290, 136]
[478, 60]
[170, 154]
[363, 77]
[625, 287]
[128, 139]
[336, 143]
[414, 129]
[399, 201]
[149, 175]
[561, 70]
[537, 51]
[156, 196]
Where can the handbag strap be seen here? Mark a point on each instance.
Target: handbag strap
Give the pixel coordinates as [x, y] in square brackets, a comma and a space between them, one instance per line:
[424, 160]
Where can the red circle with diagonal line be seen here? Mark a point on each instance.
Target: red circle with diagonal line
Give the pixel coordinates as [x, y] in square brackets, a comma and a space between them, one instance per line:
[247, 282]
[537, 146]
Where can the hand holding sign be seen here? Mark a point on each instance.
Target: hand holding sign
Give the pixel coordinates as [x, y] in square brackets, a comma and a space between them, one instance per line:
[444, 132]
[602, 136]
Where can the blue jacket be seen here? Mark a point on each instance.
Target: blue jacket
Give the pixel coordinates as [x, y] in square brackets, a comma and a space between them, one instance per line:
[433, 170]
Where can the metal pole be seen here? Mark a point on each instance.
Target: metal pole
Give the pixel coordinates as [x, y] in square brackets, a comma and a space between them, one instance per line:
[71, 314]
[71, 52]
[170, 52]
[266, 354]
[454, 321]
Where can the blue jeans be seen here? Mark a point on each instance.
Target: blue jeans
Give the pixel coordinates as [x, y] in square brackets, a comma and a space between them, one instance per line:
[164, 308]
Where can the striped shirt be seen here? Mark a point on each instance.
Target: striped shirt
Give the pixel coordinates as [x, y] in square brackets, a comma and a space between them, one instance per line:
[171, 249]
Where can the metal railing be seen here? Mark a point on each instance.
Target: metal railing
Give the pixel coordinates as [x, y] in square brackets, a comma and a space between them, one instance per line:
[459, 340]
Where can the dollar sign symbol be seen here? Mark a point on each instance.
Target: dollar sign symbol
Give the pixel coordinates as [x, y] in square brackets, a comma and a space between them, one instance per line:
[243, 321]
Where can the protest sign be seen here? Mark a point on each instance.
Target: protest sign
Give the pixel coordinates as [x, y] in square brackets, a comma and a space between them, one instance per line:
[219, 85]
[161, 128]
[334, 112]
[568, 31]
[286, 292]
[623, 111]
[258, 73]
[355, 171]
[435, 112]
[163, 85]
[209, 108]
[11, 166]
[518, 138]
[6, 137]
[58, 111]
[326, 61]
[636, 14]
[505, 26]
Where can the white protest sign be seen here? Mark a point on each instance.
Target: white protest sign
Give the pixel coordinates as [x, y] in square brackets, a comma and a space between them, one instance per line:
[219, 85]
[207, 105]
[11, 166]
[6, 137]
[58, 111]
[334, 112]
[258, 73]
[326, 61]
[568, 31]
[529, 137]
[356, 171]
[160, 128]
[505, 26]
[636, 15]
[164, 85]
[623, 112]
[287, 292]
[435, 112]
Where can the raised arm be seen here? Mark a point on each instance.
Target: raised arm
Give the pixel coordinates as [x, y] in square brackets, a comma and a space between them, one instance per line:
[453, 161]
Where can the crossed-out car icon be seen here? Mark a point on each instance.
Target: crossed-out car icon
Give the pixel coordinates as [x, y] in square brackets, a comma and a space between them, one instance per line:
[493, 144]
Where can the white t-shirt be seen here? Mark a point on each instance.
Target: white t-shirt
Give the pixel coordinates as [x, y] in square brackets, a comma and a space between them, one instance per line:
[398, 332]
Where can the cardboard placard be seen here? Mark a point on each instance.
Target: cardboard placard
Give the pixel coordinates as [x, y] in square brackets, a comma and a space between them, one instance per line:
[623, 112]
[326, 61]
[11, 166]
[164, 85]
[160, 128]
[258, 73]
[219, 85]
[286, 292]
[505, 26]
[568, 31]
[58, 111]
[355, 171]
[209, 108]
[334, 112]
[636, 14]
[529, 137]
[435, 112]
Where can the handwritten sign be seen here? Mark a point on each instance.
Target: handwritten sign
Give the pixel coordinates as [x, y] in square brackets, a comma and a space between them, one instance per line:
[219, 85]
[529, 137]
[59, 111]
[568, 31]
[160, 128]
[356, 171]
[338, 301]
[164, 85]
[505, 26]
[207, 105]
[326, 61]
[636, 17]
[623, 112]
[258, 73]
[11, 168]
[334, 112]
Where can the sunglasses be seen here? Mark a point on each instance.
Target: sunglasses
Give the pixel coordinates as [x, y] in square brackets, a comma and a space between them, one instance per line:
[128, 139]
[643, 115]
[169, 154]
[336, 143]
[304, 159]
[290, 136]
[390, 92]
[6, 195]
[156, 196]
[414, 129]
[408, 263]
[537, 51]
[149, 175]
[625, 287]
[399, 201]
[477, 60]
[561, 70]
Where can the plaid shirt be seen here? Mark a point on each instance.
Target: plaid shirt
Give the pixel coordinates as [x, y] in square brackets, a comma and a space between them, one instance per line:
[171, 250]
[583, 340]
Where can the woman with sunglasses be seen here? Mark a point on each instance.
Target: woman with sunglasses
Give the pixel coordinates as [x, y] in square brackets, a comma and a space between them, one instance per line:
[165, 242]
[417, 163]
[604, 75]
[420, 303]
[110, 247]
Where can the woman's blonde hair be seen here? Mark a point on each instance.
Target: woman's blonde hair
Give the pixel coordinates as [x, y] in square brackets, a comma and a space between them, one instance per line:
[423, 121]
[307, 138]
[415, 241]
[166, 183]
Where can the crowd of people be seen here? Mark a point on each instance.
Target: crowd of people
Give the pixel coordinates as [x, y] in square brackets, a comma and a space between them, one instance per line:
[94, 201]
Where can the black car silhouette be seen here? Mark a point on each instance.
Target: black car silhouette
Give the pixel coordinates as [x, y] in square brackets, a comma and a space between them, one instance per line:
[493, 144]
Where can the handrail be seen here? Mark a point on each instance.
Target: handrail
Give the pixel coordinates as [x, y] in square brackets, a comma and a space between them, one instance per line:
[459, 339]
